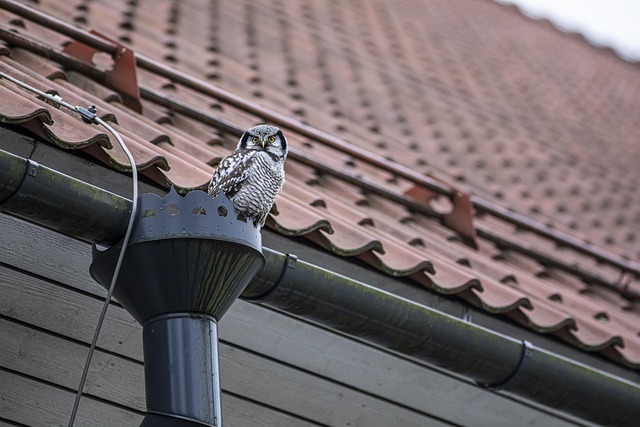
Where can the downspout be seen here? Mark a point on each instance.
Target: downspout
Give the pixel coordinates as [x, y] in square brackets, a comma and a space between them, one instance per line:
[188, 260]
[367, 313]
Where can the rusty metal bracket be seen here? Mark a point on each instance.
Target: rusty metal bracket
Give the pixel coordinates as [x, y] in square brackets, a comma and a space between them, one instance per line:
[459, 219]
[623, 283]
[122, 77]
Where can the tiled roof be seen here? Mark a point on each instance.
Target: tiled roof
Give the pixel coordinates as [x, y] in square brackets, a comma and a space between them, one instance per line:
[469, 91]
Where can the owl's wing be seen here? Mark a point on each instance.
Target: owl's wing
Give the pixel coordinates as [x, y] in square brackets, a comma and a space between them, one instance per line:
[231, 173]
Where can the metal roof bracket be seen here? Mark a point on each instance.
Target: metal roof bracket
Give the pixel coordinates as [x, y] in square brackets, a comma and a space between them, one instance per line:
[122, 77]
[525, 357]
[50, 198]
[459, 219]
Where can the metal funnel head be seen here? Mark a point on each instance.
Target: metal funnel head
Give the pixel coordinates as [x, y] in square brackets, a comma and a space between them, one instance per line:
[186, 254]
[188, 260]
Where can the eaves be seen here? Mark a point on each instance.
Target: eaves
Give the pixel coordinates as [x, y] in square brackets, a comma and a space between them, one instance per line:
[364, 304]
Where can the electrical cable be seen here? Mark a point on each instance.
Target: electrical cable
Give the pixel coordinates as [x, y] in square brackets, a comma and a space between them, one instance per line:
[89, 116]
[112, 285]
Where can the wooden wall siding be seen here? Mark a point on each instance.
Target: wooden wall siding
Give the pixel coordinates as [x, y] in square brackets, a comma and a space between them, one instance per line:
[276, 370]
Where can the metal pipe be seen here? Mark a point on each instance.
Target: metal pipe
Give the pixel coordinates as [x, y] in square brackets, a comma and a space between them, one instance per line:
[55, 24]
[180, 273]
[189, 81]
[383, 318]
[52, 199]
[181, 371]
[46, 51]
[487, 357]
[12, 172]
[369, 314]
[565, 239]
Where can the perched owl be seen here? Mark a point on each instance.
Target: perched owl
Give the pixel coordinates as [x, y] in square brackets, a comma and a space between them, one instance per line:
[253, 174]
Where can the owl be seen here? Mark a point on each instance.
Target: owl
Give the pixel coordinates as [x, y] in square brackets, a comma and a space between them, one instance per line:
[253, 174]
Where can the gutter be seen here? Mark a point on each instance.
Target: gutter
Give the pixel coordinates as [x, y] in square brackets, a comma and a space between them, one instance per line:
[54, 200]
[369, 314]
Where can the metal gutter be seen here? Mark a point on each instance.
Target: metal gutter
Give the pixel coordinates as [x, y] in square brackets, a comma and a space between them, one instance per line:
[201, 86]
[490, 359]
[369, 314]
[54, 200]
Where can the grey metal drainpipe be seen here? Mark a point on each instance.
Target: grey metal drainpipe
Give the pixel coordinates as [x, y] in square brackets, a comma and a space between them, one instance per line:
[181, 367]
[54, 200]
[369, 314]
[188, 260]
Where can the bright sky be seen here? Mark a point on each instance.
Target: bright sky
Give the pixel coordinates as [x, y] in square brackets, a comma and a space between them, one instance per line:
[613, 23]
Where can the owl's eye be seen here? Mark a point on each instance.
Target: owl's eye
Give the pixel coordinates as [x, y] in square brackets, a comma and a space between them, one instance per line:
[255, 139]
[272, 139]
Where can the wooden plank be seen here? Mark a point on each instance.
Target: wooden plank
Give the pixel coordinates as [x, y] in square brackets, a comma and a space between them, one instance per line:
[58, 361]
[44, 357]
[237, 412]
[64, 311]
[308, 395]
[342, 360]
[54, 256]
[37, 404]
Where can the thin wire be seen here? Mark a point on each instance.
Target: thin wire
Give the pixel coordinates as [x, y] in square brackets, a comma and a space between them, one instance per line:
[125, 243]
[24, 85]
[90, 117]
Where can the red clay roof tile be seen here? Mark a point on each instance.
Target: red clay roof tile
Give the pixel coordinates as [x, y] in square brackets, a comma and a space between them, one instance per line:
[19, 110]
[294, 219]
[543, 318]
[435, 97]
[37, 64]
[345, 240]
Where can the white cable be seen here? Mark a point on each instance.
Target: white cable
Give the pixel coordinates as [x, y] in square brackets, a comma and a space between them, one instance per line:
[89, 116]
[24, 85]
[116, 272]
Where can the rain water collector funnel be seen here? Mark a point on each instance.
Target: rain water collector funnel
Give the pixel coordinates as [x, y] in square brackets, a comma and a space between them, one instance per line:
[187, 261]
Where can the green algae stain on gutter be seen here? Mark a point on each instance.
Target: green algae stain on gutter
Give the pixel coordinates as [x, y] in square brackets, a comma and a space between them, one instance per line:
[57, 201]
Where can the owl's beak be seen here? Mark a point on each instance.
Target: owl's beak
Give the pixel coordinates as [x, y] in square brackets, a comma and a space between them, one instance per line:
[262, 143]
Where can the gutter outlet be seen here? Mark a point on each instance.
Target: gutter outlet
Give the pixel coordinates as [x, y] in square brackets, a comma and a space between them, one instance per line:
[188, 260]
